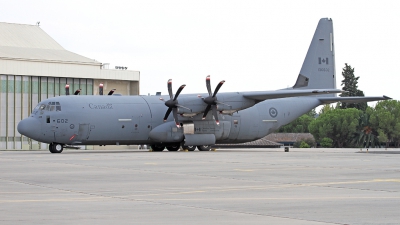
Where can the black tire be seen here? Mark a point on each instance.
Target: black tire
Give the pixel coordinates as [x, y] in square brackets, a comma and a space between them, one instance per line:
[173, 148]
[51, 148]
[189, 148]
[56, 148]
[157, 148]
[204, 147]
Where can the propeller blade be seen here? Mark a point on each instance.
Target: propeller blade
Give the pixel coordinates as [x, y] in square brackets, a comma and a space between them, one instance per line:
[206, 111]
[179, 91]
[175, 113]
[208, 84]
[170, 89]
[218, 87]
[214, 110]
[167, 114]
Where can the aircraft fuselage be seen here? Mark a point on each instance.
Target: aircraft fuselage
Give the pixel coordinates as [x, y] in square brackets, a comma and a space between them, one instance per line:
[126, 120]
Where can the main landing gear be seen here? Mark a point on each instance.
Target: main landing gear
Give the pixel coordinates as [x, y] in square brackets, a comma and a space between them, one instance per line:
[175, 147]
[56, 147]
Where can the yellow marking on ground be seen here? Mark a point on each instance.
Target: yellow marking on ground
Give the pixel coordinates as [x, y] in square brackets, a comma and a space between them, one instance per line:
[244, 170]
[387, 180]
[85, 159]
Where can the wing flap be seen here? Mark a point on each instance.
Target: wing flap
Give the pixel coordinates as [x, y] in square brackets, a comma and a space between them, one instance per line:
[328, 100]
[264, 95]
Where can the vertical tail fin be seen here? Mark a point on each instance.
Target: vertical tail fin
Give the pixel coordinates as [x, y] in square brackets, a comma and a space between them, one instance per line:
[318, 70]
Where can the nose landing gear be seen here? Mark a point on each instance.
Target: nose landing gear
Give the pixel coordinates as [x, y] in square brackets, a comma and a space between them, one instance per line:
[56, 147]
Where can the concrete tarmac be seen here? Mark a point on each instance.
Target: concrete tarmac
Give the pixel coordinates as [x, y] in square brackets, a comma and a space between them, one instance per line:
[227, 186]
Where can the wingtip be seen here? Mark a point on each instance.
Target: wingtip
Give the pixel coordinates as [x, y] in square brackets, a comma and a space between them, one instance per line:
[387, 97]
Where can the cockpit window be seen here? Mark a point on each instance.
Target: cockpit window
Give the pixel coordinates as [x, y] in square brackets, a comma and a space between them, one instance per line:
[51, 106]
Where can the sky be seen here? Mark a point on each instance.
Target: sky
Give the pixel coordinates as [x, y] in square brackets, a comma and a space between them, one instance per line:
[252, 45]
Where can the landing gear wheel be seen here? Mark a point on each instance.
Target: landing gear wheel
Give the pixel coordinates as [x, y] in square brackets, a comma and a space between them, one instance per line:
[56, 148]
[173, 148]
[204, 147]
[51, 147]
[189, 148]
[157, 148]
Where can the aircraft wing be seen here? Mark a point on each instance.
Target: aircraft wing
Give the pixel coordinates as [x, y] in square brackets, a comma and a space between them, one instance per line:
[328, 100]
[264, 95]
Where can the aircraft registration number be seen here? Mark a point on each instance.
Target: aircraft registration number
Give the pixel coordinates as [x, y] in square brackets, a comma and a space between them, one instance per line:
[62, 120]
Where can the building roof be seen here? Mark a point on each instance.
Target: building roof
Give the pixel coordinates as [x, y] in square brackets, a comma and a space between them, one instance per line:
[31, 43]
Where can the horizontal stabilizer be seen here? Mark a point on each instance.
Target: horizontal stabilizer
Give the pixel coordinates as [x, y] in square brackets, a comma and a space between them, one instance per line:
[328, 100]
[264, 95]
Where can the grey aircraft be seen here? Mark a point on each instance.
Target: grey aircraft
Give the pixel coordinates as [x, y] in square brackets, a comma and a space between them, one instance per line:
[197, 120]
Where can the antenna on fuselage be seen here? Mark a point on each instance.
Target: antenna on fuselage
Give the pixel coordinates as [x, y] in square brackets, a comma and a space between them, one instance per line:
[101, 89]
[67, 89]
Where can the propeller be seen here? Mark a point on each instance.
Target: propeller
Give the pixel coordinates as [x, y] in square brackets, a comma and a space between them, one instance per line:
[211, 100]
[172, 103]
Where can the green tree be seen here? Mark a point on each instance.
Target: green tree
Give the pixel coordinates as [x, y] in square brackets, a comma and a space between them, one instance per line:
[350, 87]
[336, 124]
[325, 109]
[304, 144]
[299, 125]
[386, 118]
[366, 133]
[326, 142]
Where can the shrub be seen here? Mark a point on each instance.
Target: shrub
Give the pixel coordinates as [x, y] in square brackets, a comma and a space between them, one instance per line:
[304, 144]
[326, 142]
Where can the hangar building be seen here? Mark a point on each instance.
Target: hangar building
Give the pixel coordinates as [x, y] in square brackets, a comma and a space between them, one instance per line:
[33, 67]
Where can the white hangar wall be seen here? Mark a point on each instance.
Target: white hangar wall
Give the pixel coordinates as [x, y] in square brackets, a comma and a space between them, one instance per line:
[34, 67]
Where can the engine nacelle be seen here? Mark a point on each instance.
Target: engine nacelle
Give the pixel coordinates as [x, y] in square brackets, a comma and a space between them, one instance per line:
[167, 132]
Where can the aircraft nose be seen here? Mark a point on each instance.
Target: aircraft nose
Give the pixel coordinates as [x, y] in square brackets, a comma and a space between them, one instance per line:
[29, 127]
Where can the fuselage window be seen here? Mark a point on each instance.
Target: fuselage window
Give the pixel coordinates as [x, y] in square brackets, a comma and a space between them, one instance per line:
[42, 107]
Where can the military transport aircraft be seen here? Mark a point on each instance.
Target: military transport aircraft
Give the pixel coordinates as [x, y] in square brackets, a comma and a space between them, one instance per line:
[197, 120]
